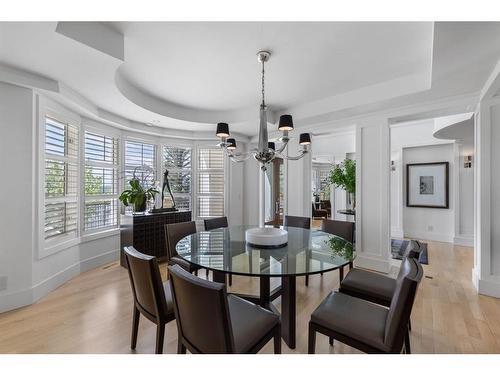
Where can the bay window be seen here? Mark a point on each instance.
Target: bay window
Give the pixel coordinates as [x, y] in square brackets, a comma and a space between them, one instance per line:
[210, 182]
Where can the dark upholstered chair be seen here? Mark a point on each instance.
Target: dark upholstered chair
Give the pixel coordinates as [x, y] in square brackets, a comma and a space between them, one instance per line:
[211, 321]
[319, 213]
[152, 298]
[216, 223]
[173, 234]
[366, 326]
[326, 205]
[344, 229]
[375, 287]
[297, 222]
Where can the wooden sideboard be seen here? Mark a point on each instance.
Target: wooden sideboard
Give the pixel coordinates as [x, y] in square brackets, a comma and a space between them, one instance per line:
[146, 232]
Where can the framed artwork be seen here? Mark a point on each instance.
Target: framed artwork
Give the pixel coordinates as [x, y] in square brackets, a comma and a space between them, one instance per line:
[427, 185]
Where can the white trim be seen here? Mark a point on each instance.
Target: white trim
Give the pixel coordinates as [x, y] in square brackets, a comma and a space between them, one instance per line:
[463, 240]
[397, 232]
[30, 295]
[373, 263]
[429, 236]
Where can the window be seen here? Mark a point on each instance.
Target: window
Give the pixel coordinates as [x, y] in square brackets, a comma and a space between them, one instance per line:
[177, 160]
[140, 158]
[210, 182]
[100, 182]
[60, 179]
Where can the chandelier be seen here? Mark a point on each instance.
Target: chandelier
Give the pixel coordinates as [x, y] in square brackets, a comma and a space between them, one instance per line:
[265, 153]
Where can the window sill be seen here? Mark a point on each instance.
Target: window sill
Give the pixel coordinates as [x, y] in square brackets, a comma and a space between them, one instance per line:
[92, 236]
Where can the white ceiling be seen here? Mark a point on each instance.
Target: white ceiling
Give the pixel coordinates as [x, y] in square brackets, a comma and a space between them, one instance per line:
[191, 75]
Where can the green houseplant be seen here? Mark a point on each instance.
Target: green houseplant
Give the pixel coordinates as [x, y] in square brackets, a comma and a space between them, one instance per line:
[343, 176]
[137, 195]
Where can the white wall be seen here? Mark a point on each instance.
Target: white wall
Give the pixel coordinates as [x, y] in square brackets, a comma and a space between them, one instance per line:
[16, 190]
[412, 138]
[436, 224]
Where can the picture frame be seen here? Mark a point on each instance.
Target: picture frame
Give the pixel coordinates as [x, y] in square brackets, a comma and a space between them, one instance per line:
[427, 185]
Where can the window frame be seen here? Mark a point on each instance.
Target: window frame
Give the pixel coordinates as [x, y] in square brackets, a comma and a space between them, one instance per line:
[115, 135]
[55, 244]
[192, 170]
[226, 177]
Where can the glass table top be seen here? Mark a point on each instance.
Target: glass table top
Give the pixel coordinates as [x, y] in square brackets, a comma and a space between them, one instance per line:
[225, 250]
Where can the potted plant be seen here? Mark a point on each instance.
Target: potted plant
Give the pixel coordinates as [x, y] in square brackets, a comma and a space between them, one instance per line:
[343, 176]
[137, 195]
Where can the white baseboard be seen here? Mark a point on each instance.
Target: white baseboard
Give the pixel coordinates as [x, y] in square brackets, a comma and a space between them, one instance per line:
[431, 236]
[488, 287]
[464, 241]
[31, 295]
[397, 232]
[375, 264]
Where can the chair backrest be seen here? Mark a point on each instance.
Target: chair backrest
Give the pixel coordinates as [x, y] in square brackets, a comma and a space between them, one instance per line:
[413, 250]
[325, 204]
[215, 223]
[398, 317]
[147, 287]
[202, 312]
[297, 222]
[175, 232]
[344, 229]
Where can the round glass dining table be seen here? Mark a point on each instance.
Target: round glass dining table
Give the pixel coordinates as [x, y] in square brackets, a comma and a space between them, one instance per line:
[225, 251]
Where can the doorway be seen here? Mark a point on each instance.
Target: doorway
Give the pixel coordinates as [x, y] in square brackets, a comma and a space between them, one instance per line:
[275, 192]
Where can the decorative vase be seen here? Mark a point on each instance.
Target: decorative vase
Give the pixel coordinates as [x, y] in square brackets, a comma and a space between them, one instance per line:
[140, 206]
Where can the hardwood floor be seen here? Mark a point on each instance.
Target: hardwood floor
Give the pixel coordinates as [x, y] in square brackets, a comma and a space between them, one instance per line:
[93, 313]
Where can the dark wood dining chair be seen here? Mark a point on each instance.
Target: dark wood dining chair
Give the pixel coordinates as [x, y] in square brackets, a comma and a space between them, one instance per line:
[211, 321]
[366, 326]
[343, 229]
[319, 213]
[216, 223]
[173, 234]
[152, 297]
[297, 222]
[375, 287]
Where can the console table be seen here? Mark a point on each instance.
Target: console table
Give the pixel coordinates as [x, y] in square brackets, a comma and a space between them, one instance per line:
[146, 232]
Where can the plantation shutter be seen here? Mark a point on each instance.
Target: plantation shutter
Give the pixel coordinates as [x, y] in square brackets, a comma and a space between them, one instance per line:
[210, 182]
[100, 181]
[60, 179]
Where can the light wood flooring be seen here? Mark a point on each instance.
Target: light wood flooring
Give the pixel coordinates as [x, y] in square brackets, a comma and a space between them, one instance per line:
[92, 313]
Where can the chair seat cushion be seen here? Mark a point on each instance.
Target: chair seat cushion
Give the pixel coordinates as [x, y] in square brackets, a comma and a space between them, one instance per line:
[369, 285]
[250, 323]
[168, 298]
[183, 263]
[352, 317]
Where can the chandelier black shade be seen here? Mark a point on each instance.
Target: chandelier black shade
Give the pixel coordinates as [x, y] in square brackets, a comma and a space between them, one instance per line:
[231, 143]
[222, 130]
[305, 139]
[271, 145]
[285, 123]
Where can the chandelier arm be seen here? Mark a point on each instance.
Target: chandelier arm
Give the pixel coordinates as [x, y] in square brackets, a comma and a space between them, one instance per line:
[296, 157]
[237, 157]
[283, 146]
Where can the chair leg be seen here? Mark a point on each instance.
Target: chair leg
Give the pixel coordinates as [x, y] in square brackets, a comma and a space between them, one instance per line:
[160, 334]
[341, 274]
[196, 273]
[181, 349]
[277, 339]
[351, 265]
[407, 342]
[307, 280]
[409, 325]
[208, 274]
[311, 347]
[330, 340]
[135, 327]
[230, 279]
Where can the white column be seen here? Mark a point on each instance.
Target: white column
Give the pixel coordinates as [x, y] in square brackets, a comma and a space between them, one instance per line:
[373, 194]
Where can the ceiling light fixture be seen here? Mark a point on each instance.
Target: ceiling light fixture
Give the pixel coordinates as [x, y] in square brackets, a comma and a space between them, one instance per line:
[265, 153]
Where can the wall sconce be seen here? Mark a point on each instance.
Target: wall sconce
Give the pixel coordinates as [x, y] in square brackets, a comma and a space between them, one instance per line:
[468, 161]
[393, 166]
